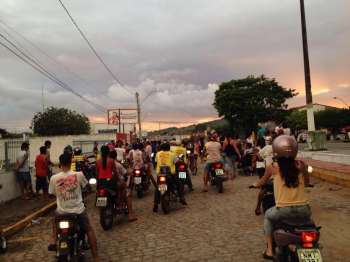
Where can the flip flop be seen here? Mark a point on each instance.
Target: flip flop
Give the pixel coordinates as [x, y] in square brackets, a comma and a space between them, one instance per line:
[133, 219]
[257, 212]
[205, 190]
[265, 256]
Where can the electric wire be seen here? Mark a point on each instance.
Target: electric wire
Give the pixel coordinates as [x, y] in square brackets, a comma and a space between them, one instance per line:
[93, 49]
[84, 81]
[28, 60]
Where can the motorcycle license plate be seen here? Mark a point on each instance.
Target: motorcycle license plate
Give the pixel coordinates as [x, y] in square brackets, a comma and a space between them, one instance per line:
[101, 201]
[63, 245]
[162, 187]
[182, 175]
[219, 172]
[309, 255]
[137, 180]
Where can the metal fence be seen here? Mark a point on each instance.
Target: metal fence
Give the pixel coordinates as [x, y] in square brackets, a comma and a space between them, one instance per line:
[88, 146]
[11, 150]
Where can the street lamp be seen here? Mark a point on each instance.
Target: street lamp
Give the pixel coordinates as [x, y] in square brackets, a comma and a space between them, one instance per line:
[309, 104]
[338, 98]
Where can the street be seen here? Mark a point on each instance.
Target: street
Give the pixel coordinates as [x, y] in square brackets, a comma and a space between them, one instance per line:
[213, 227]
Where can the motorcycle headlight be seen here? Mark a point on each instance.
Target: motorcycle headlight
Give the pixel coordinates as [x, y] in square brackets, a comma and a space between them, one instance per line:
[310, 169]
[188, 152]
[64, 224]
[92, 181]
[152, 155]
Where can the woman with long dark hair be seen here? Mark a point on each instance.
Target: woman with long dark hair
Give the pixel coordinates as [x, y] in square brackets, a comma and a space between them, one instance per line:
[290, 177]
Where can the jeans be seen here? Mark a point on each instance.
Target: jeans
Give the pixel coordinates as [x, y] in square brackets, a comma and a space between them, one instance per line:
[290, 213]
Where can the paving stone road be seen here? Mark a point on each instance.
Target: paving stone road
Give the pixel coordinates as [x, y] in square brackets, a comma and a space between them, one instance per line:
[214, 227]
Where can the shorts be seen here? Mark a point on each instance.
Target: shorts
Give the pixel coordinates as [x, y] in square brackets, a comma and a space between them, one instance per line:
[23, 177]
[260, 171]
[207, 165]
[41, 183]
[83, 219]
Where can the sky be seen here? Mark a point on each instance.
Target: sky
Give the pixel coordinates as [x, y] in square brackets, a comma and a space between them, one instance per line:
[174, 53]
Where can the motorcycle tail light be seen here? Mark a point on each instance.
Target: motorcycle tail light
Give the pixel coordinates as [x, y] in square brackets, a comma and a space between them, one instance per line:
[137, 172]
[64, 224]
[162, 179]
[102, 192]
[308, 238]
[182, 167]
[218, 165]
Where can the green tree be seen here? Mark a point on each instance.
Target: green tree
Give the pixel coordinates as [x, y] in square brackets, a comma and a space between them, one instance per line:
[332, 119]
[248, 101]
[60, 121]
[297, 120]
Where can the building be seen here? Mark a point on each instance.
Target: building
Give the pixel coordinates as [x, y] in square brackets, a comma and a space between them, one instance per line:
[316, 107]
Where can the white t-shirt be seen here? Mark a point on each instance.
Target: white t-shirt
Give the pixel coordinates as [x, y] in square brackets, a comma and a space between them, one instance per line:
[20, 158]
[213, 149]
[67, 188]
[148, 151]
[120, 153]
[137, 157]
[267, 154]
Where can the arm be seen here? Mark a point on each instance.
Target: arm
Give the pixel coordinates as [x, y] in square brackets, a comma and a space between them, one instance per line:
[265, 178]
[304, 171]
[236, 150]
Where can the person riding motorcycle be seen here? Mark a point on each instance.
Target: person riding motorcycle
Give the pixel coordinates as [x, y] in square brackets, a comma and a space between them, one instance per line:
[213, 150]
[166, 158]
[111, 174]
[290, 177]
[67, 187]
[179, 150]
[78, 160]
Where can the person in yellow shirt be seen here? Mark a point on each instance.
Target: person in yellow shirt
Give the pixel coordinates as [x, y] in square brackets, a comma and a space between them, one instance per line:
[167, 158]
[181, 150]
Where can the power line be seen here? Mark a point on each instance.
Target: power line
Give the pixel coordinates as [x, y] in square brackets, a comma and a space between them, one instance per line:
[28, 60]
[93, 49]
[84, 81]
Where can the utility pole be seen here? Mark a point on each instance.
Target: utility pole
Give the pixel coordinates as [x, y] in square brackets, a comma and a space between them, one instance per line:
[308, 93]
[42, 97]
[138, 113]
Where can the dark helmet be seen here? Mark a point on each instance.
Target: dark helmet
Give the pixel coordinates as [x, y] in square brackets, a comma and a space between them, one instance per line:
[77, 151]
[165, 146]
[68, 149]
[135, 146]
[285, 147]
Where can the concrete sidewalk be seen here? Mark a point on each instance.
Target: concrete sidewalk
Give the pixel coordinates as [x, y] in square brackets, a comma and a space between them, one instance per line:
[329, 171]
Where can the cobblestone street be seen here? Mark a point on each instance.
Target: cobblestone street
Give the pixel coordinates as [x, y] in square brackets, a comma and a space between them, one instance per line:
[214, 227]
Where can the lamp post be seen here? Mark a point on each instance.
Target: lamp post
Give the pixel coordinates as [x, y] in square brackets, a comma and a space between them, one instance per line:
[338, 98]
[308, 93]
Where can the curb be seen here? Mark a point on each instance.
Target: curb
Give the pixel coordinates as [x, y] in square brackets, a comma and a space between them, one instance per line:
[18, 226]
[331, 176]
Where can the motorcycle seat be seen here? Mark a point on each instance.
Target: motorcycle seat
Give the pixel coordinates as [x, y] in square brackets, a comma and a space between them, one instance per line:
[292, 225]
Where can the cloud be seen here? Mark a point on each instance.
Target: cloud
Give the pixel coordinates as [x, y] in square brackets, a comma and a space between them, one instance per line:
[172, 50]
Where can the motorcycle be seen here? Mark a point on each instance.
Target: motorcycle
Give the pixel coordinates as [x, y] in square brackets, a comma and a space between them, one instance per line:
[109, 202]
[140, 181]
[166, 187]
[297, 242]
[3, 244]
[193, 162]
[182, 174]
[70, 238]
[217, 175]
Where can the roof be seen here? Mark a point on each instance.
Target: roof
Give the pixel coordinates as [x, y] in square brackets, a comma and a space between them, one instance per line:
[315, 104]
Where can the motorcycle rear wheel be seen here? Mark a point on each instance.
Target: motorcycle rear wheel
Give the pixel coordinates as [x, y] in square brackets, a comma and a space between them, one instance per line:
[139, 192]
[220, 186]
[165, 202]
[3, 244]
[106, 218]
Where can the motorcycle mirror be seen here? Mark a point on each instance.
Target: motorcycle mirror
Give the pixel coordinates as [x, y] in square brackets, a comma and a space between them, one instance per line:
[92, 181]
[310, 169]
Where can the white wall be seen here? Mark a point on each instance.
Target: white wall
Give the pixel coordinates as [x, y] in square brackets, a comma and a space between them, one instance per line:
[10, 188]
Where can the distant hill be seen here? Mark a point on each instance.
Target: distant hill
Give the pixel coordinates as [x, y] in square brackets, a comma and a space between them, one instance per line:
[218, 124]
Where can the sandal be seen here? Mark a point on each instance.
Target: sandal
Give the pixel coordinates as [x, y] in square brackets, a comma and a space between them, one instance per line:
[265, 256]
[257, 212]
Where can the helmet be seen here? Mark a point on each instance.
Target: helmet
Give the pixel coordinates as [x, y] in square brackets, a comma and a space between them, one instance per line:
[77, 151]
[285, 146]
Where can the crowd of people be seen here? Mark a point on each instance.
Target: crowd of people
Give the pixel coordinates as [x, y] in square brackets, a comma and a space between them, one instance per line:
[266, 153]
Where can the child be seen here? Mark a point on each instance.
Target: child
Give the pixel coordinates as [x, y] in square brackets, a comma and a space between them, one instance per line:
[42, 168]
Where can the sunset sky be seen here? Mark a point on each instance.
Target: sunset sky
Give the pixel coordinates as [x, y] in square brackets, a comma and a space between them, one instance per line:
[177, 52]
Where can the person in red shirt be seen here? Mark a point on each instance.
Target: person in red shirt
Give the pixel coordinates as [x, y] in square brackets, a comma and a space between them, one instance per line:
[42, 171]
